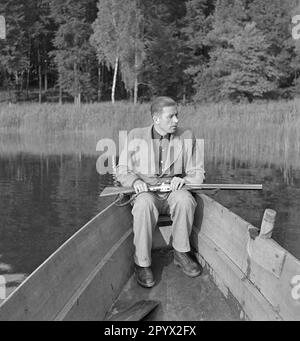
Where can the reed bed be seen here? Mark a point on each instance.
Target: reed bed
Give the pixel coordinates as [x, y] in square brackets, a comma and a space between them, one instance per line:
[259, 134]
[266, 134]
[100, 118]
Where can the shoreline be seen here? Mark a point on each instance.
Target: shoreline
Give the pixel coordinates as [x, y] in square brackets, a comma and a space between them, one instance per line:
[258, 134]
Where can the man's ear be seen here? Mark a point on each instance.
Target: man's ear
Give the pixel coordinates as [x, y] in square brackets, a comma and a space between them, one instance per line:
[156, 119]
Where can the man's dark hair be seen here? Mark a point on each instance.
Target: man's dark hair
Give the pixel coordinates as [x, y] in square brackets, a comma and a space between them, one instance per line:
[161, 102]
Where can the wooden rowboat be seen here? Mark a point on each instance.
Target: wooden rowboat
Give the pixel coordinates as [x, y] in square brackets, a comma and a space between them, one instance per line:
[91, 276]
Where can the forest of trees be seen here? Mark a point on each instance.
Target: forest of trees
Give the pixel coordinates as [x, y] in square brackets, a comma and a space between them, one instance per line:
[192, 50]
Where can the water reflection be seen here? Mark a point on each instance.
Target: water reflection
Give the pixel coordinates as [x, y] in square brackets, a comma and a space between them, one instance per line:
[43, 201]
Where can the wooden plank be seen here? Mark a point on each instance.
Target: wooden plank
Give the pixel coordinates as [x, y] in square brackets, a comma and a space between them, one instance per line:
[268, 224]
[94, 298]
[278, 291]
[44, 294]
[265, 264]
[136, 312]
[228, 231]
[230, 276]
[269, 256]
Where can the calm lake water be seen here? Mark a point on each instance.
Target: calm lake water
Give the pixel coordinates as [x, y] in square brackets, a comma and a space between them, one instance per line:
[44, 200]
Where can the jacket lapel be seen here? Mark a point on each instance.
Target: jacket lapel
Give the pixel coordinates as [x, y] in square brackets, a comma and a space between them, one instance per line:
[174, 151]
[152, 167]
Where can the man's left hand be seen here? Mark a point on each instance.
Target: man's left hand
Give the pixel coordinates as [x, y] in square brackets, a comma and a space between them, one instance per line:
[176, 184]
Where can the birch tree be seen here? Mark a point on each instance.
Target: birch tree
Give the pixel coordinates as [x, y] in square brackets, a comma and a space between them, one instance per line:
[115, 38]
[134, 54]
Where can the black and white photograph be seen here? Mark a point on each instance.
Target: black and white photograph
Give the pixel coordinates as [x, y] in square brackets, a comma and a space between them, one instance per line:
[150, 163]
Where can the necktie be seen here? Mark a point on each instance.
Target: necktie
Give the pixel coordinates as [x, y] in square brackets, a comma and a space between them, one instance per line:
[160, 162]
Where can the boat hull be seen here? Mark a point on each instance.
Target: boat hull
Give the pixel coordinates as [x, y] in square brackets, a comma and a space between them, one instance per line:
[83, 278]
[259, 274]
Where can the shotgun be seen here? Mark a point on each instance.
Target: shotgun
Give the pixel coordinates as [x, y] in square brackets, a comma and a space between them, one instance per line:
[164, 188]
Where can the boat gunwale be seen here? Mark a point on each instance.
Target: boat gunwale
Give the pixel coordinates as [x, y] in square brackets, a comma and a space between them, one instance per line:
[54, 254]
[238, 217]
[285, 308]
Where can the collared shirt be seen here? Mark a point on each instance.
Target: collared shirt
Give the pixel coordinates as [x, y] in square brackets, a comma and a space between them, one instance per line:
[161, 146]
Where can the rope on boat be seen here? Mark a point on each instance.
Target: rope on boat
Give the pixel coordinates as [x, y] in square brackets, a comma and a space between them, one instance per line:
[249, 246]
[253, 233]
[118, 202]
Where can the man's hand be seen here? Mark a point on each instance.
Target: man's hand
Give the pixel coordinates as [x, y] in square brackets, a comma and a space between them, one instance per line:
[176, 184]
[140, 186]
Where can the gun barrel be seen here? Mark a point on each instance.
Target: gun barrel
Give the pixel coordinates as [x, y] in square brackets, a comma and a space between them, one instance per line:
[108, 191]
[226, 186]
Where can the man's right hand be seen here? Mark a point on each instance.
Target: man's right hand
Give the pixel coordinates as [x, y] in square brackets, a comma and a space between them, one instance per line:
[140, 186]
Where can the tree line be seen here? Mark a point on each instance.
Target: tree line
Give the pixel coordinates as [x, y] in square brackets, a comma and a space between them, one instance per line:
[200, 50]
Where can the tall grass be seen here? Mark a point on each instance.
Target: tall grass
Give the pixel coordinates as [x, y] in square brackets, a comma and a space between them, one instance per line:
[101, 118]
[255, 134]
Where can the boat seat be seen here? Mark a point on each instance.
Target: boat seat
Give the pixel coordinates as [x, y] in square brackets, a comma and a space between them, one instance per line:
[162, 237]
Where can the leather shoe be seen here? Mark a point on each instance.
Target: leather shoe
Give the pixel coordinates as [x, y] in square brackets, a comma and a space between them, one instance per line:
[187, 264]
[144, 276]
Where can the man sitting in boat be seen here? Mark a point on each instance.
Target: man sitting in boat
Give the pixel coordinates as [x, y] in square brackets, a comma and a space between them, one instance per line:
[161, 153]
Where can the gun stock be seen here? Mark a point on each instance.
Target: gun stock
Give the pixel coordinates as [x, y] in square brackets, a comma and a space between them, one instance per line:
[109, 191]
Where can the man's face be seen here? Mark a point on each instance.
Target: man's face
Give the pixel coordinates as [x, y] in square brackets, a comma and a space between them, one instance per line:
[167, 121]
